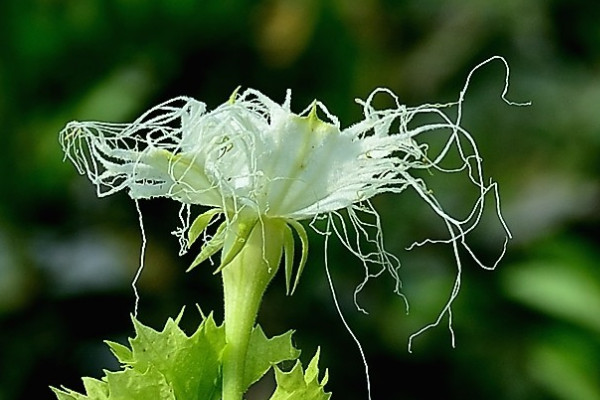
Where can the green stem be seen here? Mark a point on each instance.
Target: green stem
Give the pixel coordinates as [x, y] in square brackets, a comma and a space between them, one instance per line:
[245, 280]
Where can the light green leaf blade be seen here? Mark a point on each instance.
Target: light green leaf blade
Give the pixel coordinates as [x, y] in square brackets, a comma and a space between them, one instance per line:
[190, 364]
[263, 353]
[297, 385]
[122, 353]
[95, 388]
[67, 394]
[164, 365]
[134, 385]
[312, 372]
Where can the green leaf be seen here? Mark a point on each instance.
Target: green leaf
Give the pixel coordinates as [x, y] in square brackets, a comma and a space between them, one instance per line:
[169, 365]
[122, 353]
[192, 365]
[312, 372]
[263, 353]
[95, 388]
[297, 385]
[200, 224]
[164, 365]
[137, 385]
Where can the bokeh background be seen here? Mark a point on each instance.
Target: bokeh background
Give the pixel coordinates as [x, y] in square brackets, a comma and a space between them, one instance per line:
[529, 330]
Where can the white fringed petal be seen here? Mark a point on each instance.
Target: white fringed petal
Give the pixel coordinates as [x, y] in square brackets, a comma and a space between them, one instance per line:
[255, 157]
[249, 152]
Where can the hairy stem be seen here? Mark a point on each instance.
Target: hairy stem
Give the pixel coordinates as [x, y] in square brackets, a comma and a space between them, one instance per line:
[245, 280]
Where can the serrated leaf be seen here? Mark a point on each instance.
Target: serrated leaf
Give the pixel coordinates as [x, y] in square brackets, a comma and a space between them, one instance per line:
[169, 365]
[297, 385]
[68, 394]
[135, 385]
[312, 372]
[263, 353]
[164, 365]
[191, 364]
[122, 353]
[95, 388]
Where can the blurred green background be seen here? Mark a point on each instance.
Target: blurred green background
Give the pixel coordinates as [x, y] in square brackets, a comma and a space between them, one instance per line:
[529, 330]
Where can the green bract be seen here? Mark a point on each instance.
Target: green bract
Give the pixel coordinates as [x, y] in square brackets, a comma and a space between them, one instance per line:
[245, 227]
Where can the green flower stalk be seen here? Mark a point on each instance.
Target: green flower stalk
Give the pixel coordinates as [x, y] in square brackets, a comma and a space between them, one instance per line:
[245, 280]
[259, 168]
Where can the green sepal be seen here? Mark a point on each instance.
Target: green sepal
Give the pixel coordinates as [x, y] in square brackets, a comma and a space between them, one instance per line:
[288, 252]
[200, 224]
[304, 241]
[243, 230]
[234, 95]
[299, 385]
[211, 247]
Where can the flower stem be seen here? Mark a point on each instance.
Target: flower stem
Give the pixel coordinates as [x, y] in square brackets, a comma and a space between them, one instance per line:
[245, 280]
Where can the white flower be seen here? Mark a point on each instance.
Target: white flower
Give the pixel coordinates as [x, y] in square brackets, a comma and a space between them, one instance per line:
[249, 152]
[252, 158]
